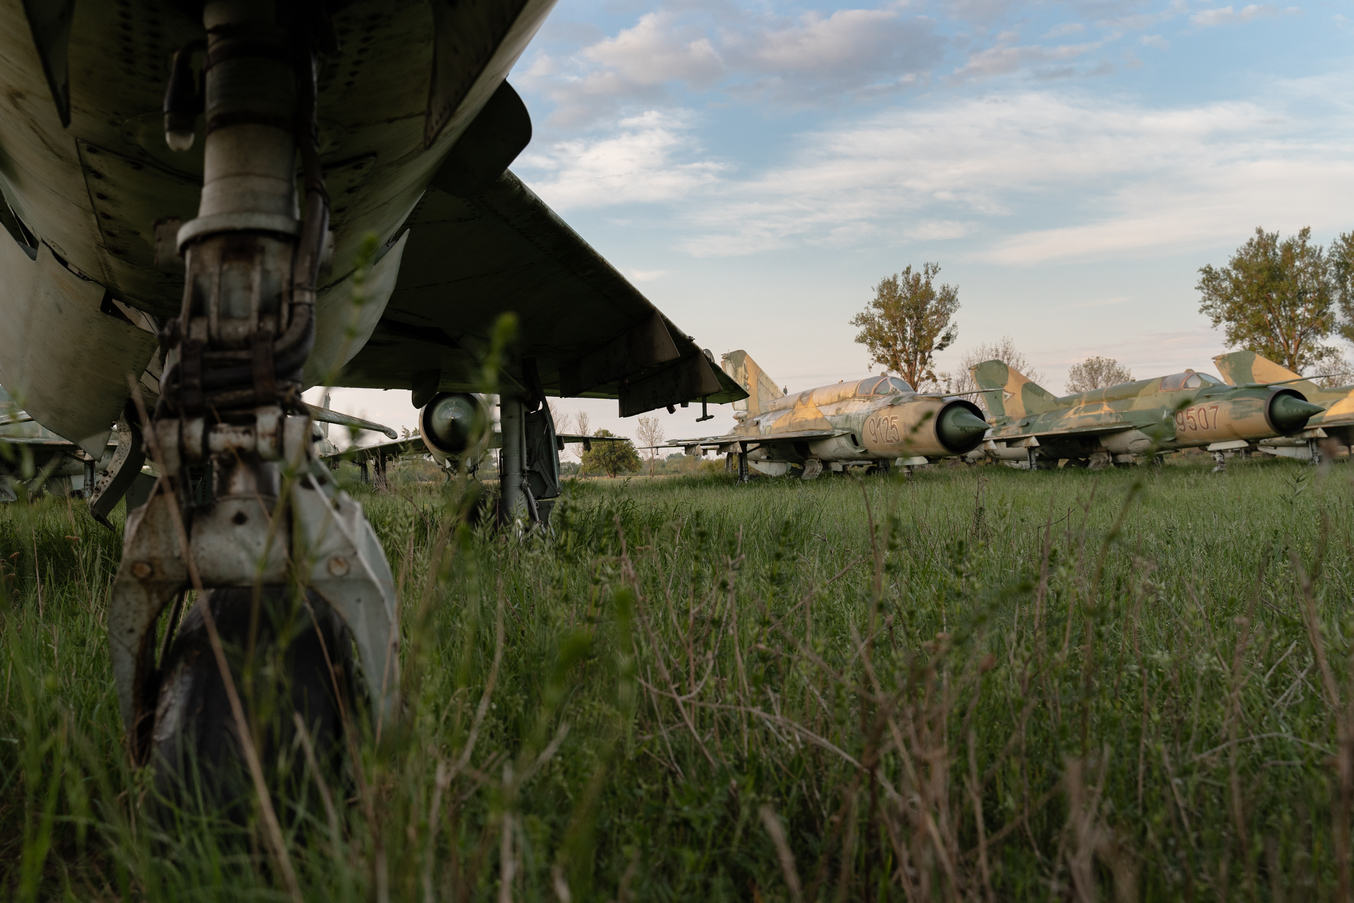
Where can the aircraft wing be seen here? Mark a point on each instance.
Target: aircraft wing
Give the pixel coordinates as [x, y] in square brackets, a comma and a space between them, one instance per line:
[392, 449]
[583, 329]
[759, 441]
[1117, 425]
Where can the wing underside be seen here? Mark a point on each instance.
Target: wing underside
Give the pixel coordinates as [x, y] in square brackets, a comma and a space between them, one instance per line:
[582, 329]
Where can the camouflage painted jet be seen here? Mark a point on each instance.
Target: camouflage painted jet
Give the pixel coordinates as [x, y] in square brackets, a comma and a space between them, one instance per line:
[32, 455]
[873, 421]
[1148, 416]
[154, 212]
[1335, 422]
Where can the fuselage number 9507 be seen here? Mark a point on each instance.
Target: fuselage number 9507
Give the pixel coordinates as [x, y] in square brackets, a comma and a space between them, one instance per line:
[1197, 418]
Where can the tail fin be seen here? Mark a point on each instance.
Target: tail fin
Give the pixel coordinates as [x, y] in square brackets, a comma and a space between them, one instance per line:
[761, 388]
[1008, 393]
[1238, 367]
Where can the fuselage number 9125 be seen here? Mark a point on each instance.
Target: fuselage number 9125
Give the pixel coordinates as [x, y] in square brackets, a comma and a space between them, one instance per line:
[883, 430]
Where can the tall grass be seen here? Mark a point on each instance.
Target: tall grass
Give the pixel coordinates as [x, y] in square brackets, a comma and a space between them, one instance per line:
[980, 684]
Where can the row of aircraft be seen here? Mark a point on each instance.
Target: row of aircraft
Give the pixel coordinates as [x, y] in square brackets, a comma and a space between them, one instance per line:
[211, 206]
[881, 422]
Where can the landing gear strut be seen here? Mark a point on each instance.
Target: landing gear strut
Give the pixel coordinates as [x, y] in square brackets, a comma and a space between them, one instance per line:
[273, 531]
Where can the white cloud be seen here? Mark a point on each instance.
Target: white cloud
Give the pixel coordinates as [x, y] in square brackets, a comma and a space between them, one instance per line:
[655, 52]
[1226, 15]
[938, 230]
[1119, 179]
[755, 56]
[1062, 31]
[639, 164]
[1004, 59]
[1154, 40]
[646, 275]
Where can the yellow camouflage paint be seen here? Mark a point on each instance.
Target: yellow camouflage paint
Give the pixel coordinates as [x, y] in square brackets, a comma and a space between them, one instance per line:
[1182, 410]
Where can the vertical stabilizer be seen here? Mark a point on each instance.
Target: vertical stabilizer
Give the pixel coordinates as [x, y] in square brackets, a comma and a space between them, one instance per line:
[761, 389]
[1240, 367]
[1009, 393]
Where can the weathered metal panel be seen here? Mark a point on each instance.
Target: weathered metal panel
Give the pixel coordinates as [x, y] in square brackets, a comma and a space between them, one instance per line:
[645, 345]
[342, 328]
[690, 378]
[61, 357]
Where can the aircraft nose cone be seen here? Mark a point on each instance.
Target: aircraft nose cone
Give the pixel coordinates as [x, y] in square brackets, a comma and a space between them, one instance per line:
[960, 431]
[1289, 413]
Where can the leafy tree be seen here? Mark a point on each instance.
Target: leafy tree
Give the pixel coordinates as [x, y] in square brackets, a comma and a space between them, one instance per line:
[1096, 373]
[908, 321]
[1276, 298]
[581, 422]
[1004, 350]
[612, 457]
[651, 434]
[1341, 258]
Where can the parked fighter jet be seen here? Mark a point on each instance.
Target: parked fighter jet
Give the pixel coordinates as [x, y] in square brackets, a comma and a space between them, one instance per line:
[873, 421]
[32, 455]
[1148, 416]
[1334, 423]
[149, 163]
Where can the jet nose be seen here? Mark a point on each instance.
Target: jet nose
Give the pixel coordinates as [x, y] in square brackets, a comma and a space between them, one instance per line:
[1288, 413]
[960, 431]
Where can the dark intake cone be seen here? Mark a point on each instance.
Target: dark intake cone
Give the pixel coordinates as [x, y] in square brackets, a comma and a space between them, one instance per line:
[960, 430]
[1289, 413]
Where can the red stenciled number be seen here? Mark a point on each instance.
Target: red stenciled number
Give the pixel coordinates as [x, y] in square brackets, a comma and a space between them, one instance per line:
[1189, 418]
[1214, 409]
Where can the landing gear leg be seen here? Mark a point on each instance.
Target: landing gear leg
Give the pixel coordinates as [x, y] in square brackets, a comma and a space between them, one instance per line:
[1314, 448]
[743, 475]
[272, 521]
[1033, 458]
[512, 460]
[1221, 460]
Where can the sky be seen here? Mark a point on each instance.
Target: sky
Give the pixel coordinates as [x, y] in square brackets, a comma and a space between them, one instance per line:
[756, 168]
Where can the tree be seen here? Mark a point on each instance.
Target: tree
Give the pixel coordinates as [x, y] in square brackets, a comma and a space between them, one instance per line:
[908, 321]
[581, 419]
[1341, 257]
[563, 421]
[1276, 298]
[611, 457]
[1004, 350]
[1095, 373]
[651, 434]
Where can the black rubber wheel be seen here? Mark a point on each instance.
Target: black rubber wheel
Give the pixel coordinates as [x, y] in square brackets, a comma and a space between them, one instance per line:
[300, 664]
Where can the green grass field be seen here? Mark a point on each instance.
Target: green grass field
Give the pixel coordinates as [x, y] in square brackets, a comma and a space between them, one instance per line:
[981, 684]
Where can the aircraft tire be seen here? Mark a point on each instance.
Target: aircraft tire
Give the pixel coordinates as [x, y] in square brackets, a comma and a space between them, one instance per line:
[196, 750]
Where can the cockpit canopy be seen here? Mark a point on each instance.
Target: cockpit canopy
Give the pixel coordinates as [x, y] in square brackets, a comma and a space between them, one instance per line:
[1188, 380]
[884, 385]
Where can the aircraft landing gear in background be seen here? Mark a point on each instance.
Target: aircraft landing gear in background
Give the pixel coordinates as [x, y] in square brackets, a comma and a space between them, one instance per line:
[1220, 460]
[884, 467]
